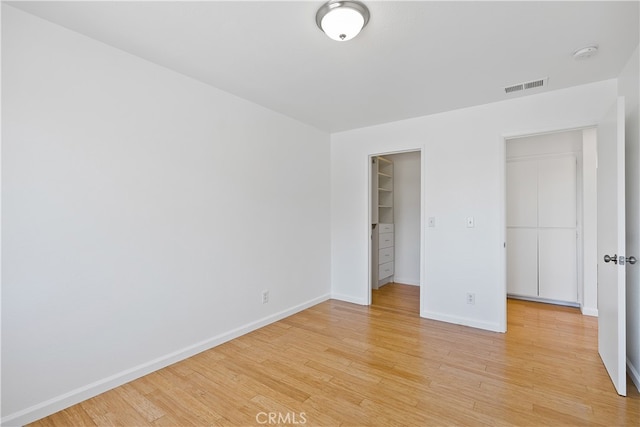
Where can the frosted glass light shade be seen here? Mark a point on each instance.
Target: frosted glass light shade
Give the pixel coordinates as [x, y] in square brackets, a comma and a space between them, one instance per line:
[342, 20]
[342, 24]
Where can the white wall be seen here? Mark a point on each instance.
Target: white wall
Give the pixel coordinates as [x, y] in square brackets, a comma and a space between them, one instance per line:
[628, 87]
[548, 143]
[143, 214]
[406, 207]
[589, 302]
[463, 176]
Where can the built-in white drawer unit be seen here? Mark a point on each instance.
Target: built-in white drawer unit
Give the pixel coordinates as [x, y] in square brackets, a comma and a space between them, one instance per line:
[385, 228]
[385, 270]
[385, 255]
[386, 240]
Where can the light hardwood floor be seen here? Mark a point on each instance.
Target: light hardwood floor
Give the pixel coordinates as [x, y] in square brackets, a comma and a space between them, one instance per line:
[344, 364]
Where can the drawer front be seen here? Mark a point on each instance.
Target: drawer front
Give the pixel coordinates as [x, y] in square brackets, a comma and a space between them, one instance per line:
[386, 240]
[385, 255]
[385, 270]
[385, 228]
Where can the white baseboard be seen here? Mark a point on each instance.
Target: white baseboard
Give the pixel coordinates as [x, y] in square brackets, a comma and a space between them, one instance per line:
[88, 391]
[544, 300]
[349, 298]
[488, 326]
[406, 281]
[634, 373]
[589, 311]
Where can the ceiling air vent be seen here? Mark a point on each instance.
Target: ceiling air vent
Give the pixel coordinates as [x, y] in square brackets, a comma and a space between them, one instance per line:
[531, 85]
[513, 88]
[527, 85]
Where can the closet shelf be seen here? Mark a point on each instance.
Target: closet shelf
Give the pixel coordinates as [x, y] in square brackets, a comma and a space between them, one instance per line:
[382, 249]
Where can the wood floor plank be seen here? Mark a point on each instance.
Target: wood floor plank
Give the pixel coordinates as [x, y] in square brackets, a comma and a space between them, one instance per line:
[343, 364]
[74, 415]
[140, 403]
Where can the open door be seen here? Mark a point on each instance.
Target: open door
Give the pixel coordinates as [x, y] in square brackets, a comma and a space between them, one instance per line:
[611, 246]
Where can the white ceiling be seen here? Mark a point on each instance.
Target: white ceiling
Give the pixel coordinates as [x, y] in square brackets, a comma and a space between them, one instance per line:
[414, 58]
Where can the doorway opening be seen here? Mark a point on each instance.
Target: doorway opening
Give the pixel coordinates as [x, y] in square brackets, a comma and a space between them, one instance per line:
[395, 224]
[551, 229]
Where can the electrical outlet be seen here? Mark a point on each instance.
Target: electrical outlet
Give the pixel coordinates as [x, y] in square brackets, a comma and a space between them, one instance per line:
[471, 298]
[265, 296]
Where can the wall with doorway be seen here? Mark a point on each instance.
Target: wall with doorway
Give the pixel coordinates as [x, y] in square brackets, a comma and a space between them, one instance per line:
[463, 172]
[407, 217]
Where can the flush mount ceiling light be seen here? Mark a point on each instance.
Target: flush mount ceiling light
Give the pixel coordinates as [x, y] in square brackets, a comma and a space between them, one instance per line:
[342, 20]
[585, 52]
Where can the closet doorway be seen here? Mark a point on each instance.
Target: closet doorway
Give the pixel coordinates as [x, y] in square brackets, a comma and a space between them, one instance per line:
[551, 224]
[395, 220]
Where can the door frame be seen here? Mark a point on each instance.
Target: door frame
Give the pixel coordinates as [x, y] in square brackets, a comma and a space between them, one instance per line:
[504, 138]
[421, 150]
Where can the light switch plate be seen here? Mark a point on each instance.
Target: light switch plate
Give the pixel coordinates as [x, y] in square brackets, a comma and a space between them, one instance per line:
[432, 221]
[470, 222]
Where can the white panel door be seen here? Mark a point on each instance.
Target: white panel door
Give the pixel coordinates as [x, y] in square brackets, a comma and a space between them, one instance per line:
[557, 192]
[558, 272]
[522, 265]
[611, 243]
[522, 193]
